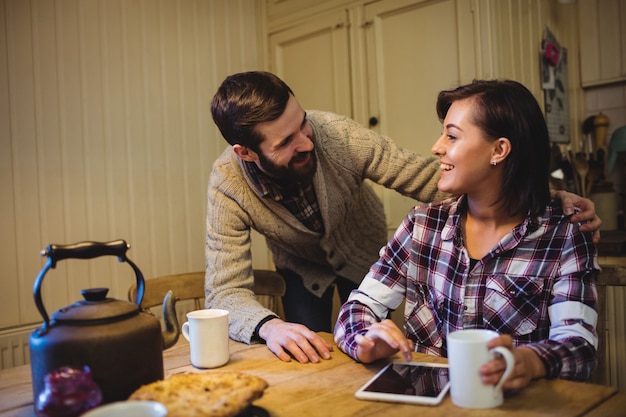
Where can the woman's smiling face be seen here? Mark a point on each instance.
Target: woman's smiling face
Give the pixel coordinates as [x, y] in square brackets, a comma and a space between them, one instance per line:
[464, 151]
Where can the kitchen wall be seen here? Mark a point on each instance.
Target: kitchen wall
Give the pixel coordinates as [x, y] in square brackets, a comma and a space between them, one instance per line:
[105, 133]
[610, 100]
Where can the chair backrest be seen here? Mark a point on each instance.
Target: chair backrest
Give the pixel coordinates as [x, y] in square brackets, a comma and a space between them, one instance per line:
[188, 288]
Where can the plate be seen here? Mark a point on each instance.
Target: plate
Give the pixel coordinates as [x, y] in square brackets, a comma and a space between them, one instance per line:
[254, 411]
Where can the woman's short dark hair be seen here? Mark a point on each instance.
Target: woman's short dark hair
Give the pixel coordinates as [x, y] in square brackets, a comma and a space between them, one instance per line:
[505, 108]
[246, 99]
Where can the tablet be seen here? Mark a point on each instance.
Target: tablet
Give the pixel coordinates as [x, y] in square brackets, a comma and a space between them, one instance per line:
[408, 382]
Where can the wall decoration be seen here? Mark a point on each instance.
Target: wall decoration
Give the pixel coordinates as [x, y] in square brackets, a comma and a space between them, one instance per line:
[555, 86]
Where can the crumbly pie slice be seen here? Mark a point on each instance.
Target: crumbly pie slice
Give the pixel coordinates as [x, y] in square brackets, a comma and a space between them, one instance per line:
[211, 394]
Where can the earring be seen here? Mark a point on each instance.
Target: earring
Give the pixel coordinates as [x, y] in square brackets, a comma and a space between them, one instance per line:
[494, 163]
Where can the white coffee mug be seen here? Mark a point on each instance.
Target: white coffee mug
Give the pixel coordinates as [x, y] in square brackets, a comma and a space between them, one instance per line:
[207, 333]
[467, 352]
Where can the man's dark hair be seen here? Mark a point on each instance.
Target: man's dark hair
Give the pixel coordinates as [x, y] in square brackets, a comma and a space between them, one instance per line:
[245, 100]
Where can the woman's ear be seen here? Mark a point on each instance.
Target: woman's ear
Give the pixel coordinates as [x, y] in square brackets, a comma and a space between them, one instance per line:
[501, 150]
[245, 153]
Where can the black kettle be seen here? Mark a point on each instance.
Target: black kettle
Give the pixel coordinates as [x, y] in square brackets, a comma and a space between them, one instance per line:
[121, 343]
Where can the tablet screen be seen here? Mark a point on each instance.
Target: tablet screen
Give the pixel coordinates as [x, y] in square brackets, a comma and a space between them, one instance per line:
[423, 383]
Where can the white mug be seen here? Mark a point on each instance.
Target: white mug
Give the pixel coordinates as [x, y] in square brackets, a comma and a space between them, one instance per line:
[207, 333]
[467, 352]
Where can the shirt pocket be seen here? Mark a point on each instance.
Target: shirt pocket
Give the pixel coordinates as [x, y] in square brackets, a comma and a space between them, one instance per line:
[513, 304]
[423, 324]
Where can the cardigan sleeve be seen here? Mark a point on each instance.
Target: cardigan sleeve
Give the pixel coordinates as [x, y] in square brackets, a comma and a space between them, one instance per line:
[229, 274]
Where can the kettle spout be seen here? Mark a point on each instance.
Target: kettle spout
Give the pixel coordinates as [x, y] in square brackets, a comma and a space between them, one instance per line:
[172, 329]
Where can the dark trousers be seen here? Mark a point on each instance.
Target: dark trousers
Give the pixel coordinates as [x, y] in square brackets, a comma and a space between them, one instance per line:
[304, 307]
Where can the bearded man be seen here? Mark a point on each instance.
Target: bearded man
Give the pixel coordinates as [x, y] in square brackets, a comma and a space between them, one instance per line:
[299, 179]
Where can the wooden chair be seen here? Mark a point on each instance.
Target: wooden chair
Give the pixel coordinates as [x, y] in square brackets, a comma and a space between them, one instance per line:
[188, 289]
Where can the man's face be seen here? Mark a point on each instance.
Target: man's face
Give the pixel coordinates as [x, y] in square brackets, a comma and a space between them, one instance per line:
[286, 152]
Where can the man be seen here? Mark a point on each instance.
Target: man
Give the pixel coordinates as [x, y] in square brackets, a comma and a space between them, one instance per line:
[298, 178]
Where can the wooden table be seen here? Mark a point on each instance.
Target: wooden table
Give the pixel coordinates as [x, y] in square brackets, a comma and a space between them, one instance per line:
[327, 389]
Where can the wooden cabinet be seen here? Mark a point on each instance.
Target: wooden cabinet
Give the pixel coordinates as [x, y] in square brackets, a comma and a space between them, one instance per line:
[414, 50]
[313, 59]
[602, 41]
[383, 62]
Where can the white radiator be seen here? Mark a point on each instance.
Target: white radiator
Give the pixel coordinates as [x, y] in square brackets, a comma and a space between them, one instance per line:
[14, 342]
[14, 347]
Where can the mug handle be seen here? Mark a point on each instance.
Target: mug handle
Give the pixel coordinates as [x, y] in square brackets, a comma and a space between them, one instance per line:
[510, 364]
[185, 332]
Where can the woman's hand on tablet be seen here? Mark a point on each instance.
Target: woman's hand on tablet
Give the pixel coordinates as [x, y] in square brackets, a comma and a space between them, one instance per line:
[382, 339]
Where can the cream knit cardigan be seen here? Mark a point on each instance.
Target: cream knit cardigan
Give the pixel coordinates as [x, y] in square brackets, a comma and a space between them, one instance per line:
[354, 220]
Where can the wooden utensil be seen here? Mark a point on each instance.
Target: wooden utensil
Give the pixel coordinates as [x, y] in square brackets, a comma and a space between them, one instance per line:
[582, 168]
[594, 174]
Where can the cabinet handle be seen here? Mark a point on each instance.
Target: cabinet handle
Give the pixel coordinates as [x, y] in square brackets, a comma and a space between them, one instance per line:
[373, 121]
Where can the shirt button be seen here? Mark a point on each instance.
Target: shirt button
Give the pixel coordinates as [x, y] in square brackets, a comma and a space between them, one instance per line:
[315, 287]
[464, 308]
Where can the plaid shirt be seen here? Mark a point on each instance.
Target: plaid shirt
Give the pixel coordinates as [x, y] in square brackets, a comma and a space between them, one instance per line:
[300, 201]
[537, 285]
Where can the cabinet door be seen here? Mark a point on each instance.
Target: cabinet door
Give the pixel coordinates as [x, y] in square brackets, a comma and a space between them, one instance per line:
[602, 41]
[313, 59]
[414, 50]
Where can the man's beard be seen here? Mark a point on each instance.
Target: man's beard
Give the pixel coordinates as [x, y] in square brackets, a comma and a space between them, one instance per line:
[290, 174]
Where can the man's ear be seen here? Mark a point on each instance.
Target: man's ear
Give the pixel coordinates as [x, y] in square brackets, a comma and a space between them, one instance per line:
[245, 153]
[501, 150]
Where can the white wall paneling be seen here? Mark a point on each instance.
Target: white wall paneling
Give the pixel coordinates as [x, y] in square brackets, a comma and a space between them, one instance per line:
[106, 133]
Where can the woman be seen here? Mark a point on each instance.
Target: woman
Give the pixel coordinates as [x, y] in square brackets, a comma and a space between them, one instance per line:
[501, 256]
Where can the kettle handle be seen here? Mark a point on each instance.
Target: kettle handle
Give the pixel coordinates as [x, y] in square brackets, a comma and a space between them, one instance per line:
[83, 250]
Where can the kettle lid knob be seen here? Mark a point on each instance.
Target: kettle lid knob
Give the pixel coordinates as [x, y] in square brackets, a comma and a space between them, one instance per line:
[94, 294]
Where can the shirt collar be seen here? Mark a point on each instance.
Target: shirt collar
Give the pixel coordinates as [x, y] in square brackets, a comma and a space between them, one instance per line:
[459, 207]
[264, 185]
